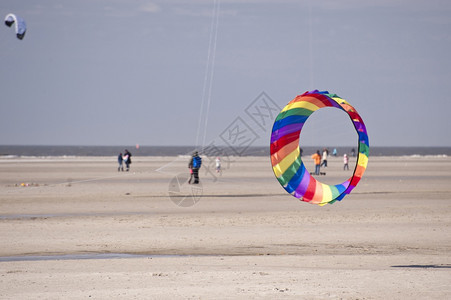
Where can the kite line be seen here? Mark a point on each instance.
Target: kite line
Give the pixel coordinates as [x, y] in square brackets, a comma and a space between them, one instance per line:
[209, 73]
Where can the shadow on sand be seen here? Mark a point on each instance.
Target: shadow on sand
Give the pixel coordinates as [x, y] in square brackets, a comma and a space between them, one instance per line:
[440, 266]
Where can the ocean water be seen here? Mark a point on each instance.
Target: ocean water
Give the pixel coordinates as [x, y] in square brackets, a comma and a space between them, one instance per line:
[43, 151]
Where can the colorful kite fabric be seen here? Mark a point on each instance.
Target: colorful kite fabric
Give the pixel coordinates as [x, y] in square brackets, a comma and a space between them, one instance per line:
[285, 154]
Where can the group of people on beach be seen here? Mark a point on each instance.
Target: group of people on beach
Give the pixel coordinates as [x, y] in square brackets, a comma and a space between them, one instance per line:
[317, 160]
[321, 160]
[126, 159]
[195, 163]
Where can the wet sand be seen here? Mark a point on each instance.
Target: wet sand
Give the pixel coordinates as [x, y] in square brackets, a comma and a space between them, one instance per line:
[76, 228]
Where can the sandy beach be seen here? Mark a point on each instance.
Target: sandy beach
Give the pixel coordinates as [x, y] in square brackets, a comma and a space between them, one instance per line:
[76, 228]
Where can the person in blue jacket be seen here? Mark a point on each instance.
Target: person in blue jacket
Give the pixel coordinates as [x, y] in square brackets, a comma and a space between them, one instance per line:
[194, 165]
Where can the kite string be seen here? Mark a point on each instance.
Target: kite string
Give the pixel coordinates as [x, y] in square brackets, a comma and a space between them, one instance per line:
[310, 46]
[208, 71]
[211, 71]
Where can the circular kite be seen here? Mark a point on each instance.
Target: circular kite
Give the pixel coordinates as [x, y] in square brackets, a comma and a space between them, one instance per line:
[285, 153]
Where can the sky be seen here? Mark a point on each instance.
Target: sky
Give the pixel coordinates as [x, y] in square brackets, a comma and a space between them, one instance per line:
[168, 72]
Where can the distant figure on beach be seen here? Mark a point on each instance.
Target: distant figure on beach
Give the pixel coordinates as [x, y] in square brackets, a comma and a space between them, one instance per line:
[325, 154]
[345, 162]
[353, 152]
[300, 151]
[317, 159]
[127, 159]
[120, 160]
[194, 165]
[218, 165]
[334, 152]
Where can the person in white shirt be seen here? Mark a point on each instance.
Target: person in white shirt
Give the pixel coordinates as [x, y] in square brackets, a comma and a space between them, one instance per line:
[218, 165]
[325, 154]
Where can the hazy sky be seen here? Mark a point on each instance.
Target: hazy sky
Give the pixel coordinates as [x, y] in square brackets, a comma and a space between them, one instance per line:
[121, 72]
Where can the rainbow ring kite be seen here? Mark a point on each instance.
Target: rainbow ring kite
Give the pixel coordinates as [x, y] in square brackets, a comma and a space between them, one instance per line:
[285, 154]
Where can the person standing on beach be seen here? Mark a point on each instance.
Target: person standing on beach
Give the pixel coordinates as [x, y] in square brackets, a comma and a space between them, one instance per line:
[120, 160]
[317, 159]
[194, 165]
[127, 159]
[325, 154]
[345, 162]
[218, 165]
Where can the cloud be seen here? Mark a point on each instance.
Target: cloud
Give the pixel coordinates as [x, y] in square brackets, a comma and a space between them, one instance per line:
[204, 12]
[150, 7]
[124, 9]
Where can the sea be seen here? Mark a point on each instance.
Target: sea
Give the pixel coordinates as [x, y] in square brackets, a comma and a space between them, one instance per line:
[74, 151]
